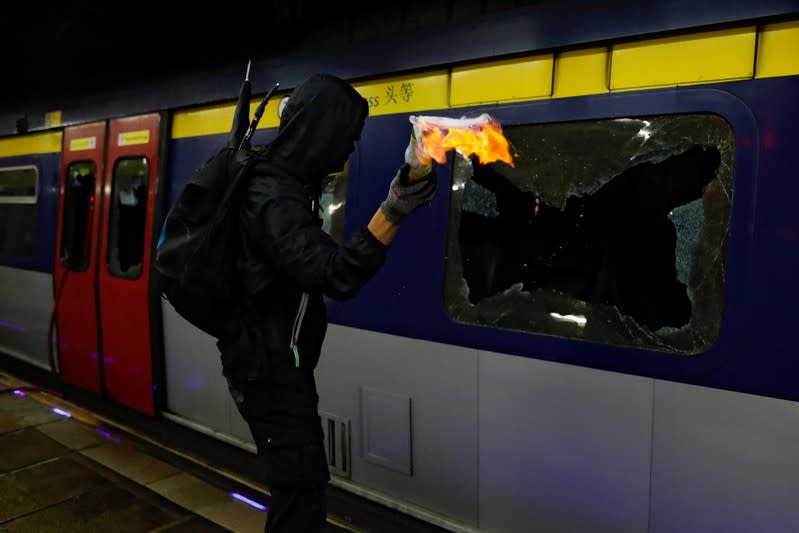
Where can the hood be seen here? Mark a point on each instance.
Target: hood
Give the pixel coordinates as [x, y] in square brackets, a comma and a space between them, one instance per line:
[322, 120]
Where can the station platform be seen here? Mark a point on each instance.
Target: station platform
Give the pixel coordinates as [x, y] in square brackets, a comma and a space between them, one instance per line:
[66, 468]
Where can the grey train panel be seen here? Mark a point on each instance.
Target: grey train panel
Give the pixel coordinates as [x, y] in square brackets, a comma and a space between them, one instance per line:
[196, 389]
[723, 461]
[386, 421]
[562, 448]
[507, 444]
[25, 314]
[441, 383]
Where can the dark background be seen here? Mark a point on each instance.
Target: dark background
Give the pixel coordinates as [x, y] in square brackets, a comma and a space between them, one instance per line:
[72, 46]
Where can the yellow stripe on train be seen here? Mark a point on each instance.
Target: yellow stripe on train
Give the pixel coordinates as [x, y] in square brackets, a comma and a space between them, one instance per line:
[37, 143]
[778, 50]
[394, 95]
[701, 57]
[684, 59]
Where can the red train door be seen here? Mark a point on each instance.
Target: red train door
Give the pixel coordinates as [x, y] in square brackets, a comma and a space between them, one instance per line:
[129, 193]
[76, 253]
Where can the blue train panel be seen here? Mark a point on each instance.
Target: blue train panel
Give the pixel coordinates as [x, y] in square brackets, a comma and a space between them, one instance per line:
[751, 352]
[45, 222]
[767, 359]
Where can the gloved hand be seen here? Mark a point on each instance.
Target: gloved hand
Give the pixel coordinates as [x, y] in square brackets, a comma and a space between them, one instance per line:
[404, 195]
[421, 164]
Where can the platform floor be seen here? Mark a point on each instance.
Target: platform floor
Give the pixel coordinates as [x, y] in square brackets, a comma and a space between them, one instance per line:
[63, 470]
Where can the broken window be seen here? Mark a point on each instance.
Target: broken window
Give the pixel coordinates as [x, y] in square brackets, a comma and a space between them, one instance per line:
[612, 231]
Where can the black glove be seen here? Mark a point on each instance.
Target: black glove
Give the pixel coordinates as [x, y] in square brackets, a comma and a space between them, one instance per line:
[404, 195]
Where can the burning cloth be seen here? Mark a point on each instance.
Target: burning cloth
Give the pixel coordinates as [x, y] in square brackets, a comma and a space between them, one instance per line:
[480, 136]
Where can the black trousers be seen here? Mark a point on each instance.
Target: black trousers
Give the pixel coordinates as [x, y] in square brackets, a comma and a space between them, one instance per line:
[282, 414]
[297, 510]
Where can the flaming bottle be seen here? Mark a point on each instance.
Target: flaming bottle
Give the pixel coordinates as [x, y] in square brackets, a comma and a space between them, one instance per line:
[420, 163]
[480, 136]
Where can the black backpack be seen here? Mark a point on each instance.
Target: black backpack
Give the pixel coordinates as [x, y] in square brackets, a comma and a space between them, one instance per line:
[200, 243]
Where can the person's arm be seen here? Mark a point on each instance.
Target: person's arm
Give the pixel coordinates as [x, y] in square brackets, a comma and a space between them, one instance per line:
[280, 221]
[296, 245]
[414, 185]
[382, 228]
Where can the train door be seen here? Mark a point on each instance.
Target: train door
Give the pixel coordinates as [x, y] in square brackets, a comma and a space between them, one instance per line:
[104, 304]
[76, 255]
[125, 243]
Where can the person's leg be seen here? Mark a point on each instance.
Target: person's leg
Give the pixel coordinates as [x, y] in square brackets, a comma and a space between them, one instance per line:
[297, 510]
[285, 425]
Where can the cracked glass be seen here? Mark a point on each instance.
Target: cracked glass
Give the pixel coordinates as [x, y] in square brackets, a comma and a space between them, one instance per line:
[613, 231]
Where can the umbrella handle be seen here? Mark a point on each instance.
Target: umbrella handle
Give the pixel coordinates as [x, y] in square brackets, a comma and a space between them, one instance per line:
[259, 111]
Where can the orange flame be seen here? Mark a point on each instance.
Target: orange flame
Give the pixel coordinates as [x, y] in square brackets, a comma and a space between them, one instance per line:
[482, 137]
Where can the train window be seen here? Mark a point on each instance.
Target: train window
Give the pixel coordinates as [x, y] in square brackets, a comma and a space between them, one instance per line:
[76, 232]
[332, 202]
[18, 192]
[612, 231]
[128, 217]
[18, 184]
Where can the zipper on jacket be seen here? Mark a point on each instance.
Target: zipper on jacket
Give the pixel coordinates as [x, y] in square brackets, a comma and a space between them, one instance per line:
[295, 332]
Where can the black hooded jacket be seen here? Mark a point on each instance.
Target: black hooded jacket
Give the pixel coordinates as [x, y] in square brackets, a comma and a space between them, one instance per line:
[289, 263]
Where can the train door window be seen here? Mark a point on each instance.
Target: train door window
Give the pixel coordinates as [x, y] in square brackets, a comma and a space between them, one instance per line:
[128, 217]
[612, 231]
[78, 208]
[332, 202]
[18, 193]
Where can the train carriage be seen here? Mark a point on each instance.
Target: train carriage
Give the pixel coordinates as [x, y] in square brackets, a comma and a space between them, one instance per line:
[597, 337]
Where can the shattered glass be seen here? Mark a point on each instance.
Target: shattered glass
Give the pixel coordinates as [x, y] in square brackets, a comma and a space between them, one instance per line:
[611, 230]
